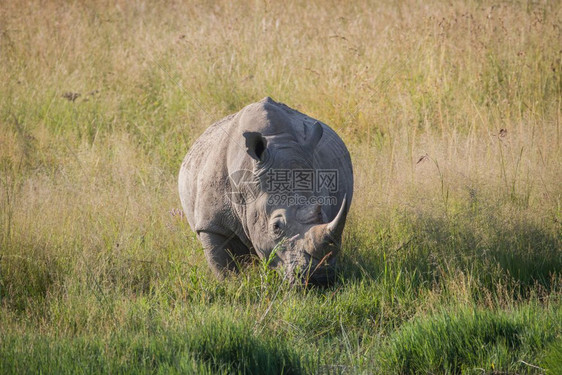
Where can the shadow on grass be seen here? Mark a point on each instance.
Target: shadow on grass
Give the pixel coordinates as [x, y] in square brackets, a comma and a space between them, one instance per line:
[428, 249]
[209, 344]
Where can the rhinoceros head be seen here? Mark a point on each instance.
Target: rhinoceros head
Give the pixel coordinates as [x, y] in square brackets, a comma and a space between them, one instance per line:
[299, 241]
[296, 230]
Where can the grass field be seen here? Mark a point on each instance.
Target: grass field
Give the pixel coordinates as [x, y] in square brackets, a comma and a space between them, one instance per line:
[452, 258]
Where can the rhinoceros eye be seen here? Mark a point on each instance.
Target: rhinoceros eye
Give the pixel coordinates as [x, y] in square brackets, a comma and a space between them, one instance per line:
[277, 227]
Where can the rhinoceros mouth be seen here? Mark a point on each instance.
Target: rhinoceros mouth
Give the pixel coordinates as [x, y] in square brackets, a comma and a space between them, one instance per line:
[322, 276]
[314, 272]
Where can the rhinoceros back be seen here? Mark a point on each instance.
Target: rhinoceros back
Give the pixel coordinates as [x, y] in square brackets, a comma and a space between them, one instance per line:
[203, 178]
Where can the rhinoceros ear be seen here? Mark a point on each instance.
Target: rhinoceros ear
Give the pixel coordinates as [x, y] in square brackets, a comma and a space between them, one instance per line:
[313, 137]
[256, 145]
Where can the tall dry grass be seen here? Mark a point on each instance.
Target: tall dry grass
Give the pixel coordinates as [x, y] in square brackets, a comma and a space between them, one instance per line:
[451, 112]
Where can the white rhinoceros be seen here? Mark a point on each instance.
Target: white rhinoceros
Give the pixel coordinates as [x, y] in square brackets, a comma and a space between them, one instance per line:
[273, 182]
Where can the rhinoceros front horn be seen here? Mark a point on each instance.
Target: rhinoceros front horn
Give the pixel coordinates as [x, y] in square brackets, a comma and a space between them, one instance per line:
[335, 227]
[329, 233]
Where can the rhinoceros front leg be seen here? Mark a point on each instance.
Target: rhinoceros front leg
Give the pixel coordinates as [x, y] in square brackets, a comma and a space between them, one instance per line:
[223, 253]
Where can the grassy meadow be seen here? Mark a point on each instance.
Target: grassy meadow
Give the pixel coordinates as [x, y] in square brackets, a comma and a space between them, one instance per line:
[452, 256]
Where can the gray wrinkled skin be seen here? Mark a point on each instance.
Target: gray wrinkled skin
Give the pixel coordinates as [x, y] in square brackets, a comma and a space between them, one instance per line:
[223, 187]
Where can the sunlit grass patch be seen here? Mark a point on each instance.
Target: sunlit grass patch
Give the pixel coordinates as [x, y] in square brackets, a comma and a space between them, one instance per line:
[466, 340]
